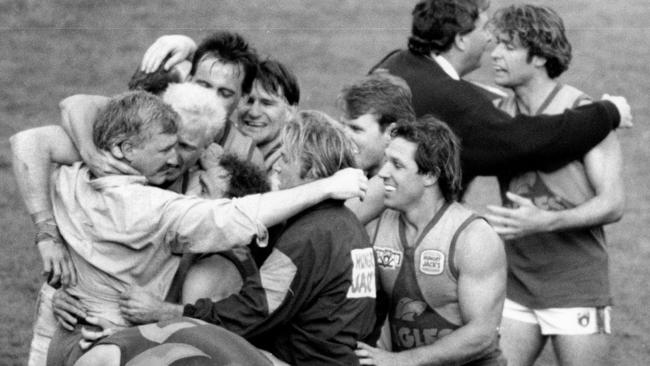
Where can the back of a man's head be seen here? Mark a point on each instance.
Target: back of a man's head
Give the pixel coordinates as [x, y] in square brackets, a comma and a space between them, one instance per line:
[132, 116]
[437, 152]
[386, 96]
[244, 177]
[318, 142]
[539, 29]
[437, 22]
[229, 48]
[275, 78]
[197, 106]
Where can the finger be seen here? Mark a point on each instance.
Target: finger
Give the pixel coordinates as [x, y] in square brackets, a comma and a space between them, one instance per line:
[361, 353]
[366, 361]
[176, 58]
[90, 335]
[66, 324]
[500, 210]
[72, 271]
[65, 272]
[520, 200]
[151, 59]
[84, 344]
[56, 273]
[47, 268]
[498, 220]
[504, 231]
[361, 345]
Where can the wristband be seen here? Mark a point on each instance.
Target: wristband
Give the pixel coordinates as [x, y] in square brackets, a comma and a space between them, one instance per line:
[47, 229]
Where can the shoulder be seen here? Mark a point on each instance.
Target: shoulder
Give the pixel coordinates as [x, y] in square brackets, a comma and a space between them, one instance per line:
[478, 245]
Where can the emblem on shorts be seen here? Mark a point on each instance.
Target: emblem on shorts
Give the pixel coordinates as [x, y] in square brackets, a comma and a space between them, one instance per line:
[388, 258]
[432, 262]
[583, 319]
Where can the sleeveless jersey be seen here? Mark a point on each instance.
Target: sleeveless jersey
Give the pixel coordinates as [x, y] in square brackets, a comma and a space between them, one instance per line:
[562, 268]
[420, 279]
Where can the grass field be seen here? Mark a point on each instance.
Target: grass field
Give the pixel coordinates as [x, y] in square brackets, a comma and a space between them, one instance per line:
[51, 49]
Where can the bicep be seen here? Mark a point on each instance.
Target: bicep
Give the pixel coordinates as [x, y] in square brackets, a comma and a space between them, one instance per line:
[481, 263]
[603, 165]
[49, 143]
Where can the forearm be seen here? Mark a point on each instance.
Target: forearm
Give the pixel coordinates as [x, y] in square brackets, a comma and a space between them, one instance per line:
[597, 211]
[276, 207]
[169, 311]
[78, 113]
[32, 158]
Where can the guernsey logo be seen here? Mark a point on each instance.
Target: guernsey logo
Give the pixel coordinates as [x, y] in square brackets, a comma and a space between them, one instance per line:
[388, 257]
[432, 262]
[407, 309]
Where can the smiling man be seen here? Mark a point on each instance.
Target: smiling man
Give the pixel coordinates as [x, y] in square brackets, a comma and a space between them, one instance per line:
[441, 267]
[264, 112]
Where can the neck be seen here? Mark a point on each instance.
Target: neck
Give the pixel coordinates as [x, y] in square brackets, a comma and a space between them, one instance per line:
[455, 60]
[266, 147]
[422, 211]
[533, 93]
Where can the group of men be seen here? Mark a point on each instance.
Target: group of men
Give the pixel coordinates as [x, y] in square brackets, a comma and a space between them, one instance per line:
[158, 261]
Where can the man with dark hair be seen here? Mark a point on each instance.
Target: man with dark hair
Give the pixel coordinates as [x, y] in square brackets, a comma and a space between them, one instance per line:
[442, 269]
[370, 106]
[313, 297]
[223, 63]
[266, 109]
[447, 41]
[558, 286]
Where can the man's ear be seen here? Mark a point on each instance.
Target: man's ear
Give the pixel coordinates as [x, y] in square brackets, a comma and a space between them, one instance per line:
[538, 61]
[460, 42]
[123, 150]
[430, 179]
[387, 131]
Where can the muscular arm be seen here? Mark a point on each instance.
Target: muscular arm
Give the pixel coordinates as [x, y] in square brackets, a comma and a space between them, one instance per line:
[604, 171]
[77, 115]
[481, 263]
[34, 151]
[372, 205]
[603, 165]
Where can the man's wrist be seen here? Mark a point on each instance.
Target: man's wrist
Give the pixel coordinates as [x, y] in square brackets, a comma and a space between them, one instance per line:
[170, 311]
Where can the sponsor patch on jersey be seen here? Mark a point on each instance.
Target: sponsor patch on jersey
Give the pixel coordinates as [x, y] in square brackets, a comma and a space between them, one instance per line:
[388, 257]
[432, 262]
[363, 274]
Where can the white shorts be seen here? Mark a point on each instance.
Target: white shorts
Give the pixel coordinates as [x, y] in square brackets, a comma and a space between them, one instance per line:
[562, 321]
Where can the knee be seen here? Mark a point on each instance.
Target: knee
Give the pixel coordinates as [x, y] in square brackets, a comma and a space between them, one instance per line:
[102, 355]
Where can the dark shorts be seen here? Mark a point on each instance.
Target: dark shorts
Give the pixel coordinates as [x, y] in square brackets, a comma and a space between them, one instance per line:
[184, 341]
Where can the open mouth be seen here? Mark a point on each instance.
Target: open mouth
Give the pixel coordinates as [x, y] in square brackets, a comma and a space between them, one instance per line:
[389, 188]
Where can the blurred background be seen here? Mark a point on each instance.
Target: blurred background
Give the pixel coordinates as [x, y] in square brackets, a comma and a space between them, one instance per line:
[53, 49]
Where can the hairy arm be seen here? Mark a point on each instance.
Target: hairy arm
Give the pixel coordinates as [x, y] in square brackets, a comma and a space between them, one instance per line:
[34, 151]
[603, 165]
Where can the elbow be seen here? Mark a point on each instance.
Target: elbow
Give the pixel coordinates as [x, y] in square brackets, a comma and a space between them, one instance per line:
[21, 140]
[616, 211]
[485, 342]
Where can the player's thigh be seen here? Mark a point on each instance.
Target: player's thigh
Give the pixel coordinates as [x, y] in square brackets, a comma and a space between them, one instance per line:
[214, 277]
[101, 355]
[582, 350]
[521, 339]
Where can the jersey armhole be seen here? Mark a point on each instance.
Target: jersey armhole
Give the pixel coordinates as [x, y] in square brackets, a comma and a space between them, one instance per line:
[452, 246]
